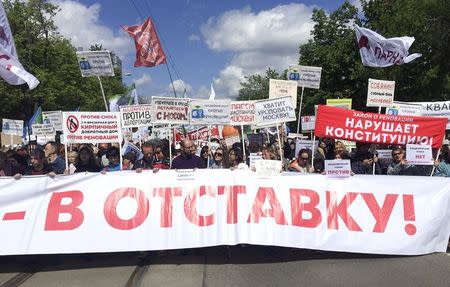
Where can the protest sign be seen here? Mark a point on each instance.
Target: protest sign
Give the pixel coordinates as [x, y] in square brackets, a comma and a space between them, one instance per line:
[304, 144]
[358, 126]
[404, 109]
[91, 127]
[135, 116]
[419, 154]
[380, 93]
[54, 118]
[338, 168]
[160, 132]
[242, 113]
[363, 214]
[253, 158]
[202, 133]
[129, 147]
[308, 123]
[229, 141]
[436, 109]
[267, 168]
[214, 112]
[170, 111]
[95, 63]
[43, 130]
[282, 88]
[274, 111]
[12, 127]
[307, 77]
[295, 135]
[10, 139]
[255, 139]
[384, 157]
[340, 103]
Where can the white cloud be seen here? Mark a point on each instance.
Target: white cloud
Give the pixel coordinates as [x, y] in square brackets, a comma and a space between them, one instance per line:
[143, 80]
[180, 86]
[259, 40]
[80, 23]
[194, 37]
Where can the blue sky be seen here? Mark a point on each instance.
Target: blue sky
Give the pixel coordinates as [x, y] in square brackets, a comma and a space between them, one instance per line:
[211, 41]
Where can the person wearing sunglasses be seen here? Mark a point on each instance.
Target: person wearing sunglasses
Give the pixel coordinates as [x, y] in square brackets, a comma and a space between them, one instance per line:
[302, 163]
[219, 160]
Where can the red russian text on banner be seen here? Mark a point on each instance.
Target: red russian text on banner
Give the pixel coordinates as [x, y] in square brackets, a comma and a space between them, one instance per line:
[358, 126]
[149, 52]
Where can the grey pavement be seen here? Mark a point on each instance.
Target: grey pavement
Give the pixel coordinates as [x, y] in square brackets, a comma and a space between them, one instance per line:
[226, 266]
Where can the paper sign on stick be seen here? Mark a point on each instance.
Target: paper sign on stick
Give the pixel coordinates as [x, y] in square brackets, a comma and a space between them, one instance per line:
[274, 111]
[170, 111]
[95, 63]
[380, 93]
[308, 123]
[307, 77]
[267, 168]
[207, 112]
[282, 88]
[419, 154]
[136, 116]
[12, 127]
[242, 113]
[338, 168]
[54, 118]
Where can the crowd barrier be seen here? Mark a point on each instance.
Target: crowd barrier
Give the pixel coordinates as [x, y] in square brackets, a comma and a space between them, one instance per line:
[129, 211]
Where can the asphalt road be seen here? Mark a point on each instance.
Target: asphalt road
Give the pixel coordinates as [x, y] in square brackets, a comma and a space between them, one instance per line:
[226, 266]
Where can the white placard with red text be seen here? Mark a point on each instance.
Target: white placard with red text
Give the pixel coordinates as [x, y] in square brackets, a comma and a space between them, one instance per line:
[128, 211]
[92, 127]
[419, 154]
[242, 113]
[308, 123]
[170, 111]
[380, 93]
[338, 168]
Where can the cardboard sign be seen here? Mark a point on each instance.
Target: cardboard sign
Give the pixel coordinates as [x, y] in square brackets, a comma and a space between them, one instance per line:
[267, 168]
[308, 123]
[12, 127]
[161, 132]
[92, 127]
[95, 63]
[10, 139]
[384, 157]
[282, 88]
[54, 118]
[170, 111]
[338, 168]
[305, 144]
[135, 116]
[256, 139]
[345, 104]
[207, 112]
[419, 154]
[242, 113]
[380, 93]
[43, 130]
[358, 126]
[307, 77]
[274, 111]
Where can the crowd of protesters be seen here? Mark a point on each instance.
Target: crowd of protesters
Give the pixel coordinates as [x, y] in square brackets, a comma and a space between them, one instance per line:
[34, 159]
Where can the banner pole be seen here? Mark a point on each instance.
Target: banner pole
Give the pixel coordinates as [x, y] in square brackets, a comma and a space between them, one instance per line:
[120, 153]
[103, 93]
[300, 110]
[279, 144]
[373, 165]
[312, 150]
[66, 156]
[243, 139]
[209, 143]
[437, 156]
[170, 146]
[10, 141]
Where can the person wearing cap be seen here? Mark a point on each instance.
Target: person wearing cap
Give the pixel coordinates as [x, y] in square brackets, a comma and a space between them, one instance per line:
[443, 167]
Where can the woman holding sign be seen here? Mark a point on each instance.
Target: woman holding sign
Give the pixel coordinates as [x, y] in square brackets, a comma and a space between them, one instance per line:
[302, 163]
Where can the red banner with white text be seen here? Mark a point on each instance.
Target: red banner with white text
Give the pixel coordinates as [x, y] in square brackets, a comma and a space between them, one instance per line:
[332, 122]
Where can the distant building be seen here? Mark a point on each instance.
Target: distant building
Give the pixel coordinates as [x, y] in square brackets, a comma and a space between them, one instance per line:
[117, 63]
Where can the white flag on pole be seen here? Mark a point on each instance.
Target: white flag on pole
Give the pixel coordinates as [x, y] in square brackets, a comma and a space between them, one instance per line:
[377, 51]
[11, 70]
[212, 94]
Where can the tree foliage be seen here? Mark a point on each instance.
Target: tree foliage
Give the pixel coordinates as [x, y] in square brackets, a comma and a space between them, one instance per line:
[333, 47]
[52, 59]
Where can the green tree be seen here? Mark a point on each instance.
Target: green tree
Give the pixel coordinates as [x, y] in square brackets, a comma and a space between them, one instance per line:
[52, 59]
[256, 87]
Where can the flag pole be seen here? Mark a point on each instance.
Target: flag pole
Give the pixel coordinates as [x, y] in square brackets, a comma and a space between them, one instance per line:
[300, 110]
[171, 81]
[437, 157]
[170, 145]
[103, 93]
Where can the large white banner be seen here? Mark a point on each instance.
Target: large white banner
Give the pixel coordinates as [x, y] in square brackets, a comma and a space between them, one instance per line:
[91, 127]
[242, 113]
[128, 211]
[274, 111]
[205, 112]
[170, 111]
